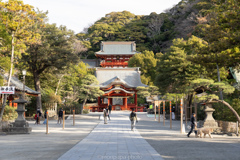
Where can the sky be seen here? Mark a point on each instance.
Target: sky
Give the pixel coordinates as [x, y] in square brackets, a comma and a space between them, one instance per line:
[80, 14]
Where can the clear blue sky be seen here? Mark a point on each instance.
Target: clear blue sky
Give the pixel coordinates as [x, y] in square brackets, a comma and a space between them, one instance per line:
[78, 14]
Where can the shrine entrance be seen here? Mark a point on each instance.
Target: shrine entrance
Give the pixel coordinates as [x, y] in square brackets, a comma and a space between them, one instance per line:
[118, 81]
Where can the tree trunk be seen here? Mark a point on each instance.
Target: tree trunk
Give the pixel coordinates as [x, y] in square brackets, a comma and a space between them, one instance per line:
[230, 107]
[38, 89]
[3, 107]
[84, 102]
[9, 77]
[219, 80]
[59, 81]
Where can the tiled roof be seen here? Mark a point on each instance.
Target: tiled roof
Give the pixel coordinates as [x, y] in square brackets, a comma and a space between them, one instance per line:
[92, 63]
[19, 85]
[127, 76]
[117, 48]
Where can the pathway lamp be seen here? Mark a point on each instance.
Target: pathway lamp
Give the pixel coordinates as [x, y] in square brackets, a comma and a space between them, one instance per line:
[24, 72]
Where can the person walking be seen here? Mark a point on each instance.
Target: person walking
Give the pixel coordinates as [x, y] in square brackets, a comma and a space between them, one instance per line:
[173, 113]
[105, 114]
[133, 119]
[109, 109]
[60, 116]
[39, 114]
[193, 124]
[45, 116]
[108, 112]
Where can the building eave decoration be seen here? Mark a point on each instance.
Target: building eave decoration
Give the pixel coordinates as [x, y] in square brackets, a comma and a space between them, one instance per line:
[118, 89]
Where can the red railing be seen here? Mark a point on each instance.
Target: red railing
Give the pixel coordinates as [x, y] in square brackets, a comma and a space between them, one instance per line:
[114, 64]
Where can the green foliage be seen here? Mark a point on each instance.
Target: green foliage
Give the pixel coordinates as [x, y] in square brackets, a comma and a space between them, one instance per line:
[209, 88]
[221, 34]
[85, 111]
[172, 96]
[9, 113]
[147, 63]
[88, 89]
[175, 70]
[224, 114]
[150, 91]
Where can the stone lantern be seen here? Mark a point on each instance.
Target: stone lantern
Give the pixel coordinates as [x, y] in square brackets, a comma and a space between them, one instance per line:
[20, 126]
[209, 121]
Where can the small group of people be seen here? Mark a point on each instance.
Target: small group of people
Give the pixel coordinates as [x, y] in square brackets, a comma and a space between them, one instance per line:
[38, 116]
[132, 116]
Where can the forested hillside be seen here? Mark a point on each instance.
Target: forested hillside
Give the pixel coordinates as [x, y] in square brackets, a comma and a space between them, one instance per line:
[153, 32]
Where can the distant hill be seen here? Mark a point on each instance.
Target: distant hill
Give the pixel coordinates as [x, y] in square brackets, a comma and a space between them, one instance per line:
[150, 32]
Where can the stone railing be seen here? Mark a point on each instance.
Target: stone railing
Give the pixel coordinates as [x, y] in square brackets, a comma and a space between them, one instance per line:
[228, 127]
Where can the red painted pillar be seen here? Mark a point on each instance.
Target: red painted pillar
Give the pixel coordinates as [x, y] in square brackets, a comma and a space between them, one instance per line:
[108, 101]
[99, 101]
[135, 99]
[125, 103]
[111, 101]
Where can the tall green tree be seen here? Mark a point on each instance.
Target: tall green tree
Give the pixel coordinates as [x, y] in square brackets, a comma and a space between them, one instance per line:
[147, 63]
[55, 50]
[88, 89]
[15, 17]
[175, 71]
[149, 91]
[221, 32]
[209, 88]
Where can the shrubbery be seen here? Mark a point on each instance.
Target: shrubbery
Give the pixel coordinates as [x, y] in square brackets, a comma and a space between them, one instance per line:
[9, 113]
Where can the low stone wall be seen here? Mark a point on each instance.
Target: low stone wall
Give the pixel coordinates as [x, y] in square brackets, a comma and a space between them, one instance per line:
[228, 127]
[4, 125]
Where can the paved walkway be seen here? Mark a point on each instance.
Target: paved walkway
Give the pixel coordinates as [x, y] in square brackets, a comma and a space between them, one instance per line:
[114, 140]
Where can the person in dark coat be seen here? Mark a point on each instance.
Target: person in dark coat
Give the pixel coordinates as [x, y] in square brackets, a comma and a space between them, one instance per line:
[45, 116]
[107, 110]
[39, 114]
[193, 124]
[133, 119]
[60, 116]
[110, 108]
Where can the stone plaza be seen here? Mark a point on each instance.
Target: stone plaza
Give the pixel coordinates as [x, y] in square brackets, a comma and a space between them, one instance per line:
[90, 139]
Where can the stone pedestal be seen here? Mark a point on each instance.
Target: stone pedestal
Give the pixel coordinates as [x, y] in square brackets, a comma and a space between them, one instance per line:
[20, 126]
[209, 121]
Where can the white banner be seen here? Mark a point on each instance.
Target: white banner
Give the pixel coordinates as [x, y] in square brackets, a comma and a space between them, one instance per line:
[7, 90]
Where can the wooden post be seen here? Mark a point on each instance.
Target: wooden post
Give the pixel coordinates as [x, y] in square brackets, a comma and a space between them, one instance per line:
[47, 124]
[237, 128]
[181, 112]
[170, 108]
[74, 117]
[185, 105]
[164, 113]
[159, 111]
[155, 110]
[195, 108]
[191, 110]
[63, 119]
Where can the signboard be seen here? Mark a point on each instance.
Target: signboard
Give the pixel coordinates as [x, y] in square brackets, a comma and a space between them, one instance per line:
[7, 90]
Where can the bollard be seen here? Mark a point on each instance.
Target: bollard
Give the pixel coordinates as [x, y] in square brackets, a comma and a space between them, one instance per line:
[237, 128]
[170, 108]
[47, 124]
[159, 112]
[63, 119]
[164, 113]
[73, 117]
[181, 112]
[155, 110]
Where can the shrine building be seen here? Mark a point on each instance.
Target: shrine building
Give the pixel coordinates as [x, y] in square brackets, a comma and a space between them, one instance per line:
[118, 81]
